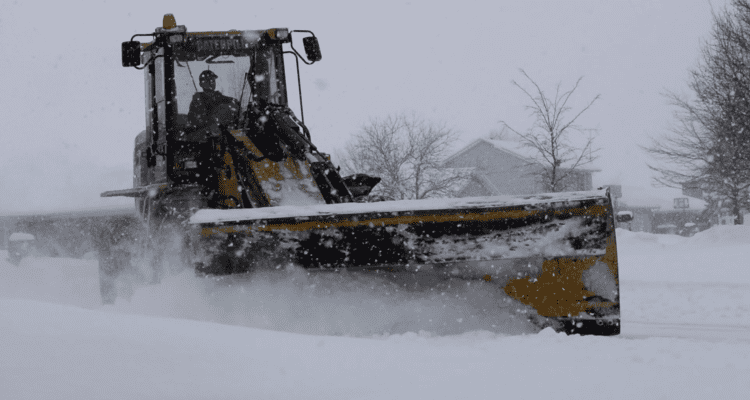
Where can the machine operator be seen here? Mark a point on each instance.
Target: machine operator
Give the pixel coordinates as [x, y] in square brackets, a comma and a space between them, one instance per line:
[209, 109]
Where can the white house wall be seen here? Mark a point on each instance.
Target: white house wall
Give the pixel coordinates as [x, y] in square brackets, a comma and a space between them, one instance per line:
[507, 172]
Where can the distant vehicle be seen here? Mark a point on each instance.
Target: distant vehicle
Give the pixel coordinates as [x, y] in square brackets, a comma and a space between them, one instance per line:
[20, 245]
[624, 216]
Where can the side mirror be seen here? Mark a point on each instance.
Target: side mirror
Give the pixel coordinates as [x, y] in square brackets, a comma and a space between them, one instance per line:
[131, 54]
[312, 48]
[624, 216]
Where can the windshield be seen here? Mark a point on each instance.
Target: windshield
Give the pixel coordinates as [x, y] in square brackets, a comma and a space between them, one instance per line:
[264, 65]
[269, 75]
[229, 71]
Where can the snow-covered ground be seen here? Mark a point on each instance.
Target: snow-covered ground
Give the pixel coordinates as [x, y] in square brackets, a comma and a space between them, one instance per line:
[686, 335]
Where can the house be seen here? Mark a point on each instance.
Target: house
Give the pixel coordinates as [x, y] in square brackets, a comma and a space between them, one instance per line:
[670, 210]
[723, 215]
[663, 210]
[500, 167]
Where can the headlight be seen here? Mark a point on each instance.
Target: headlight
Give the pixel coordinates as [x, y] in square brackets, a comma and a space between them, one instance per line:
[278, 33]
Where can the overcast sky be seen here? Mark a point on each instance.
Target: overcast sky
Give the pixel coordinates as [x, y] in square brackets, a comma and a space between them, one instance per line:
[70, 112]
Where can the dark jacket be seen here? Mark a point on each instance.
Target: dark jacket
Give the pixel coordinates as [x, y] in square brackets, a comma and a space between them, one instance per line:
[206, 109]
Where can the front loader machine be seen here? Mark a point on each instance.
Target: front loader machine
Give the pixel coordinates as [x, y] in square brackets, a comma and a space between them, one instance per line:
[226, 174]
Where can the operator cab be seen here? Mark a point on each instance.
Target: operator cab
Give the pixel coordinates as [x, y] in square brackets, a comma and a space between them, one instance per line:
[185, 119]
[219, 130]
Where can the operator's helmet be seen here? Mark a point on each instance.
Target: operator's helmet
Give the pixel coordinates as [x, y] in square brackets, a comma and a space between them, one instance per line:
[206, 75]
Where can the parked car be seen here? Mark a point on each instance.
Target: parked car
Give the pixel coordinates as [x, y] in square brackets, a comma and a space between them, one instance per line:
[19, 246]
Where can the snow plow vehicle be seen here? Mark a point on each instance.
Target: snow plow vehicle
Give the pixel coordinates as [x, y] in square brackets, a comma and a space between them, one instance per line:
[228, 177]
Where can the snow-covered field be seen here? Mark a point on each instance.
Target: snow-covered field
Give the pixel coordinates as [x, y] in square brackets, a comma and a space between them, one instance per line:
[686, 335]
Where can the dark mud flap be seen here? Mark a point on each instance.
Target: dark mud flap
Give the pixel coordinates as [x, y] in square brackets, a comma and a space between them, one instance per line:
[598, 326]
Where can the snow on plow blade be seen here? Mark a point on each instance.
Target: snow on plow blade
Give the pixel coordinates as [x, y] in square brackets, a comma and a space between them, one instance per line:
[554, 253]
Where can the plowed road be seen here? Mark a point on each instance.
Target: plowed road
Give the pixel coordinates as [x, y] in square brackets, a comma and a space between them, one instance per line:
[710, 332]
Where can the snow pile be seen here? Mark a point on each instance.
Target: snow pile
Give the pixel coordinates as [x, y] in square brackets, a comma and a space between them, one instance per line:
[207, 216]
[657, 198]
[690, 305]
[703, 279]
[20, 236]
[721, 235]
[717, 255]
[646, 241]
[56, 280]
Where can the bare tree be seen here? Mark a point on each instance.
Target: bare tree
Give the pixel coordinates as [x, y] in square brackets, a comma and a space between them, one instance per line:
[709, 146]
[406, 152]
[558, 157]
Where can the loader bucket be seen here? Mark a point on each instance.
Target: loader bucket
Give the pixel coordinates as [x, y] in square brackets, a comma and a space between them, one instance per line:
[554, 255]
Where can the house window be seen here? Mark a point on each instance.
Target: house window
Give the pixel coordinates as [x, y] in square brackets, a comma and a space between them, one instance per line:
[681, 203]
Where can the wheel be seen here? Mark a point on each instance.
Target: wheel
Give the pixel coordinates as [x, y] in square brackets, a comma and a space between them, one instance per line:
[112, 265]
[114, 242]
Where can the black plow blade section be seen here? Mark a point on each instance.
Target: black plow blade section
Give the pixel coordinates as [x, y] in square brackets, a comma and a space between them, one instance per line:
[558, 262]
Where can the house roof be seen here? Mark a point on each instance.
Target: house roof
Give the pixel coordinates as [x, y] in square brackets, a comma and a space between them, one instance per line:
[477, 174]
[465, 149]
[657, 198]
[513, 148]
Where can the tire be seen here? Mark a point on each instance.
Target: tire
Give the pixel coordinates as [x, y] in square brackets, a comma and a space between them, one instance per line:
[114, 240]
[107, 278]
